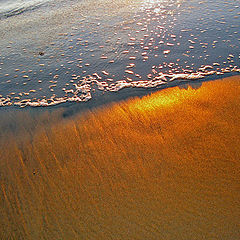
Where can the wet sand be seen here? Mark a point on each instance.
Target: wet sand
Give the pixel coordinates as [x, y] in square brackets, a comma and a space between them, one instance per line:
[165, 166]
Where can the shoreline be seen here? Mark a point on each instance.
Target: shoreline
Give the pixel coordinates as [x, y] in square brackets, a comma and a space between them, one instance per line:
[160, 166]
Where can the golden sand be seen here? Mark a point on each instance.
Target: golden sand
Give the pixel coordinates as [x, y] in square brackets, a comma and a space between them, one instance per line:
[166, 166]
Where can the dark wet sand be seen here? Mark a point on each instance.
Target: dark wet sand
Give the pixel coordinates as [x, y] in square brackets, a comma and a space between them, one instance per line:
[166, 166]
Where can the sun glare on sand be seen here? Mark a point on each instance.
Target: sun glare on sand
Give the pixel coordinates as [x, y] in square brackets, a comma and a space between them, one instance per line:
[162, 167]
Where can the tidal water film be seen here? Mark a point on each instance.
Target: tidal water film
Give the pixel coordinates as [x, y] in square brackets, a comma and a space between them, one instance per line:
[113, 124]
[57, 51]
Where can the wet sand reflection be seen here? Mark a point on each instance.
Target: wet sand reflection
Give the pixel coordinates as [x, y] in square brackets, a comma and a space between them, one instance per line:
[162, 167]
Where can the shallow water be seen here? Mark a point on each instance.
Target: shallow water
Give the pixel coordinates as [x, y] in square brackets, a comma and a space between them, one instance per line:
[74, 51]
[9, 8]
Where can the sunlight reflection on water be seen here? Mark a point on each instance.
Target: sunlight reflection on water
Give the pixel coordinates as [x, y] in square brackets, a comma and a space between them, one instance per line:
[76, 52]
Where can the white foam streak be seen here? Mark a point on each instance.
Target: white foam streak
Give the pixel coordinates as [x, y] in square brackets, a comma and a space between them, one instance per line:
[84, 90]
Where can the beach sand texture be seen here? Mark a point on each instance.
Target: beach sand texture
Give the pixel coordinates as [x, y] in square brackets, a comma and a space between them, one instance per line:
[166, 166]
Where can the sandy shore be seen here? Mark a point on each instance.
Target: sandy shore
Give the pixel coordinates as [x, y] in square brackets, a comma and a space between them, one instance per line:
[162, 167]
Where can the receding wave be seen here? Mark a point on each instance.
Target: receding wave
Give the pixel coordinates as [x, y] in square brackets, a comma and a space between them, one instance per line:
[77, 51]
[19, 8]
[86, 88]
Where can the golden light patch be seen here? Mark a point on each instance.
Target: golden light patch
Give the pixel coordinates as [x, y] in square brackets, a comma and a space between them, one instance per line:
[140, 169]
